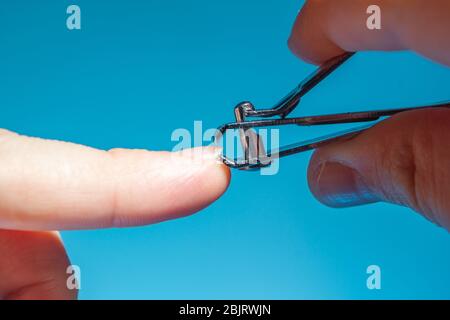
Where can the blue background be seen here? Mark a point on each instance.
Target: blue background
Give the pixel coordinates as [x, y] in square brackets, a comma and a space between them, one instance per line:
[137, 61]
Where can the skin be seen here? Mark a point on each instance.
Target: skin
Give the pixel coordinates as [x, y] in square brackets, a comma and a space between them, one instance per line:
[52, 185]
[414, 168]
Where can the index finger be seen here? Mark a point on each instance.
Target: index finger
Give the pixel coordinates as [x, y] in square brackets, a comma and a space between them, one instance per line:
[324, 28]
[53, 185]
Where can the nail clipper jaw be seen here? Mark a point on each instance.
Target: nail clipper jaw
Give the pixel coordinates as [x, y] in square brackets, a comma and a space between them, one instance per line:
[253, 148]
[244, 165]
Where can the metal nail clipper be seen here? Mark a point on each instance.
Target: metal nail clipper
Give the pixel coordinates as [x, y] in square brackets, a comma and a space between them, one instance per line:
[254, 153]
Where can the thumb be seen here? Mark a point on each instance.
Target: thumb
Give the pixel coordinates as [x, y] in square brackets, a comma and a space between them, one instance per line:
[404, 160]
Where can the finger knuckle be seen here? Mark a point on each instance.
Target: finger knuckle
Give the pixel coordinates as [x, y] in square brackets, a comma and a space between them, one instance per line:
[415, 163]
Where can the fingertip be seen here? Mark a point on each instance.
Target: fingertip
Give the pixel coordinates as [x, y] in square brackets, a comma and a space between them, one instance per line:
[174, 185]
[204, 180]
[298, 42]
[308, 40]
[209, 174]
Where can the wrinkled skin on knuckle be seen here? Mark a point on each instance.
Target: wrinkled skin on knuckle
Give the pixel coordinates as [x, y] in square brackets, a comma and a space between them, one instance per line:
[434, 149]
[418, 162]
[396, 173]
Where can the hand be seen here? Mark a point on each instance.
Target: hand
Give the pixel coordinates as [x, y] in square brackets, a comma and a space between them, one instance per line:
[52, 185]
[414, 168]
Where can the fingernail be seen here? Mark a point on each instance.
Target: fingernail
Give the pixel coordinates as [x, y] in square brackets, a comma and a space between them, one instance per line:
[337, 185]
